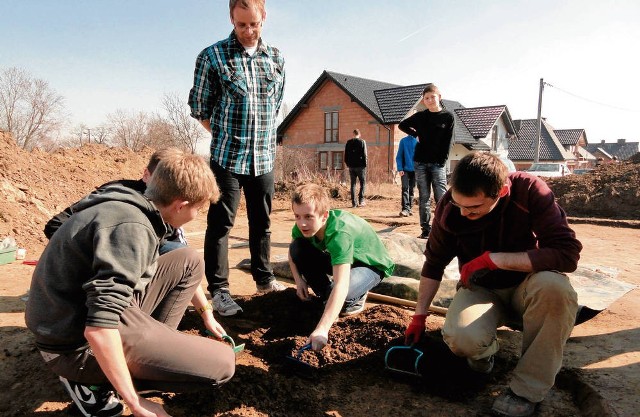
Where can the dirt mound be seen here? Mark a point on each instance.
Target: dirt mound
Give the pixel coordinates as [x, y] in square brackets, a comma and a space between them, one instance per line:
[609, 192]
[36, 185]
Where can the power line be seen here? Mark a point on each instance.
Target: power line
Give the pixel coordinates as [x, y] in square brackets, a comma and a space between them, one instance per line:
[592, 101]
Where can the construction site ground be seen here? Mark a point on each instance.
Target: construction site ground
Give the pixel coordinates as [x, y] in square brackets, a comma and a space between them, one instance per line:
[600, 376]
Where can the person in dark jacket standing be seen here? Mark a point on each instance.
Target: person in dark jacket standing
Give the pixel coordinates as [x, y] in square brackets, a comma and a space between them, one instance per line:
[513, 243]
[104, 306]
[355, 157]
[434, 129]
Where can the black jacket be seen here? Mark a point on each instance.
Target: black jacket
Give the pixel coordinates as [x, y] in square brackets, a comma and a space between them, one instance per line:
[355, 153]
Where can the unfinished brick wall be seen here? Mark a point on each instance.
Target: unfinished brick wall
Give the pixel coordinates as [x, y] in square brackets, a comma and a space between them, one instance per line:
[305, 134]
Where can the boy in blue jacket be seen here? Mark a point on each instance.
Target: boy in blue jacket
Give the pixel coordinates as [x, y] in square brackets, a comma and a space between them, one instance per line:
[404, 164]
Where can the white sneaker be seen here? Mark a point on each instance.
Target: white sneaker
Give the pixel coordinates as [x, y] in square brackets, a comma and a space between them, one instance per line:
[271, 286]
[224, 304]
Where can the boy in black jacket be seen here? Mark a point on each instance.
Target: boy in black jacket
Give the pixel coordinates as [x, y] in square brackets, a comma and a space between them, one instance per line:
[355, 157]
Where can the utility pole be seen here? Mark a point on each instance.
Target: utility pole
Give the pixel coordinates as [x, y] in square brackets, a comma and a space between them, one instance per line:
[536, 157]
[88, 132]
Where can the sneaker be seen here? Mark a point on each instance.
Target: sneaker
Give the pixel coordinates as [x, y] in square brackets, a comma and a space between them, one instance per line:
[271, 286]
[424, 235]
[404, 213]
[224, 304]
[354, 205]
[354, 308]
[512, 405]
[362, 203]
[93, 400]
[483, 366]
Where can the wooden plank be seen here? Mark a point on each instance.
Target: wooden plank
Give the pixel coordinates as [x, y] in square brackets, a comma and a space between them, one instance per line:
[401, 301]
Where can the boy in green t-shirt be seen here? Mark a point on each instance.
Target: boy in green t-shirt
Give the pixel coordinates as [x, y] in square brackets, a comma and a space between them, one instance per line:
[337, 254]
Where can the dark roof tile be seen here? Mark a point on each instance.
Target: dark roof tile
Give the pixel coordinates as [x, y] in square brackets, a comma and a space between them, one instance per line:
[480, 120]
[621, 149]
[569, 136]
[524, 148]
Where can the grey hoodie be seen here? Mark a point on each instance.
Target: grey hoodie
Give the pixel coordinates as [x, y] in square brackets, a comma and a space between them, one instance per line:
[92, 266]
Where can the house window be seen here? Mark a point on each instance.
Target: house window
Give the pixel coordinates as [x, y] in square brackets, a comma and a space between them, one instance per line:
[337, 158]
[331, 127]
[323, 158]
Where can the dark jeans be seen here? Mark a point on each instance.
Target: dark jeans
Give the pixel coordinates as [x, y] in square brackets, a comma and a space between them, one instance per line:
[429, 175]
[158, 356]
[258, 194]
[408, 181]
[358, 174]
[315, 267]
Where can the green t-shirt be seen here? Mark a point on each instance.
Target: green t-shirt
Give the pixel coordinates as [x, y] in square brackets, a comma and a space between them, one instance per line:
[349, 238]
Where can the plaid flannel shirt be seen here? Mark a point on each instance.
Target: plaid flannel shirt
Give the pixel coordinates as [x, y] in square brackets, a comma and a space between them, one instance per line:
[241, 96]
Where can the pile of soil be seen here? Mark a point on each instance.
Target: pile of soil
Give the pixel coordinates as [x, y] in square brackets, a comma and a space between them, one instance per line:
[609, 192]
[37, 185]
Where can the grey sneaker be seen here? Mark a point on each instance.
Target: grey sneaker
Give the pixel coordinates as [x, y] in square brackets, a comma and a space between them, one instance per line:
[224, 304]
[512, 405]
[271, 286]
[93, 400]
[484, 365]
[404, 213]
[354, 308]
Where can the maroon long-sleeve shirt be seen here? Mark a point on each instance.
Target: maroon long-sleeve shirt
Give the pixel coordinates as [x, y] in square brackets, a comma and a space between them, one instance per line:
[527, 219]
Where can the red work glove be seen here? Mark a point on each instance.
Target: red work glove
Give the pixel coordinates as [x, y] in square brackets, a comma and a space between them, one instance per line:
[416, 328]
[481, 262]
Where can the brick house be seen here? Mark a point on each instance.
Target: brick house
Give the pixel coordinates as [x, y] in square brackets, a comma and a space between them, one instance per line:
[314, 133]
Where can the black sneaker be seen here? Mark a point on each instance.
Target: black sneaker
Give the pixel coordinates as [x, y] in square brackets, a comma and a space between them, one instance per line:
[93, 400]
[424, 235]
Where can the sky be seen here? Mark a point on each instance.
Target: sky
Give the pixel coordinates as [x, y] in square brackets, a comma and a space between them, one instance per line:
[109, 55]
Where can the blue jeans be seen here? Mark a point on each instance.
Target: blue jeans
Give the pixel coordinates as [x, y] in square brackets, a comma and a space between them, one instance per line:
[315, 267]
[429, 175]
[258, 194]
[169, 245]
[408, 181]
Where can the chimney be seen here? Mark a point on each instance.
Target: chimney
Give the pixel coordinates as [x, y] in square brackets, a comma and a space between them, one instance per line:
[622, 140]
[602, 142]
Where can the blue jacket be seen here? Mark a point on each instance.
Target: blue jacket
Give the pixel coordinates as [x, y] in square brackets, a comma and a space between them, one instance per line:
[404, 157]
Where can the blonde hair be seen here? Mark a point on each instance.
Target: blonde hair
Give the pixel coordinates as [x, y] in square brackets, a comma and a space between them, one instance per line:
[247, 4]
[159, 155]
[311, 194]
[182, 176]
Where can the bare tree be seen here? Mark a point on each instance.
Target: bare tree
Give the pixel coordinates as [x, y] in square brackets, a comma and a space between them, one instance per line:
[29, 109]
[100, 135]
[129, 129]
[186, 131]
[160, 133]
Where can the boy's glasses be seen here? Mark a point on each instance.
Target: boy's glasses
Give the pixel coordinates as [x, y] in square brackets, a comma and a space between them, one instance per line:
[472, 209]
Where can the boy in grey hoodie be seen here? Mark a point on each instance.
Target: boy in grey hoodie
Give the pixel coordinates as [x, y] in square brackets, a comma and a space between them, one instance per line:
[104, 307]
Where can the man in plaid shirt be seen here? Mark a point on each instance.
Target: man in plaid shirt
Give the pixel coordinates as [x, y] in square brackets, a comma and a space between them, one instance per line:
[237, 92]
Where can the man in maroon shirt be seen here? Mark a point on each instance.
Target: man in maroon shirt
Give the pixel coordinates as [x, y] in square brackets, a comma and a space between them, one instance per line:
[513, 242]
